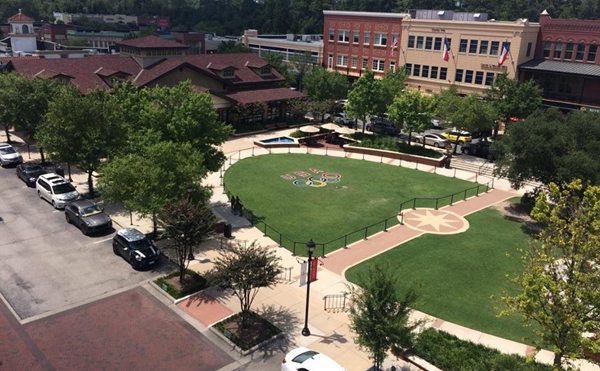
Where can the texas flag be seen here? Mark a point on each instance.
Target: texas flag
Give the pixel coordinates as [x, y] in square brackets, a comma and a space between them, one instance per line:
[504, 55]
[445, 51]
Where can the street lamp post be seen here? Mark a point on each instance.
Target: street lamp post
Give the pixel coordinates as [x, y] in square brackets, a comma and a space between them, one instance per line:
[310, 245]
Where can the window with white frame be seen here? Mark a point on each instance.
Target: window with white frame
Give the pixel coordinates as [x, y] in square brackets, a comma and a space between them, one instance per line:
[342, 60]
[355, 37]
[392, 66]
[380, 39]
[331, 34]
[365, 63]
[343, 36]
[366, 38]
[378, 65]
[354, 61]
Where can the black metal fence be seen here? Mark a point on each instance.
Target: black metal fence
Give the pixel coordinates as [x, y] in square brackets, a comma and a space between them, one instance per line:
[437, 202]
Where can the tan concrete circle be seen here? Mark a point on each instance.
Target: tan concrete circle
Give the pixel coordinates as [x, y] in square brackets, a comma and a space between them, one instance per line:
[434, 221]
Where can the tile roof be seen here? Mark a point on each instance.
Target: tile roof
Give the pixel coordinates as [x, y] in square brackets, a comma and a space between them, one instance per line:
[542, 65]
[151, 42]
[264, 95]
[19, 17]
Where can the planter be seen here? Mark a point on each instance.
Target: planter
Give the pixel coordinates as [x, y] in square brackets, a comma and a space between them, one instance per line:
[437, 162]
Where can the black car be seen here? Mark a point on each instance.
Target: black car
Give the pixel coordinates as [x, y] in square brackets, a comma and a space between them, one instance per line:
[382, 126]
[481, 148]
[136, 248]
[29, 173]
[88, 217]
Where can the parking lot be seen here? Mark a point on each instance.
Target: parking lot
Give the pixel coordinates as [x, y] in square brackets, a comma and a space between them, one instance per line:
[47, 265]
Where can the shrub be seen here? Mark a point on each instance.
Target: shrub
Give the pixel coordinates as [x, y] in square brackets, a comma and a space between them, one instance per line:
[193, 283]
[391, 144]
[450, 353]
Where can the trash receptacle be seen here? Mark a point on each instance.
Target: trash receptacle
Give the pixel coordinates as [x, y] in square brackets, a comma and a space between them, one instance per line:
[227, 230]
[60, 171]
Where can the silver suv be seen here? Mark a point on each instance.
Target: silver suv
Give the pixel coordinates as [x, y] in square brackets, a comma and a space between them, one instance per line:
[9, 155]
[56, 190]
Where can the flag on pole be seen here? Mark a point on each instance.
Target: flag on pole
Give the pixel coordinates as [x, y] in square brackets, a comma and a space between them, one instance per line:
[504, 55]
[445, 51]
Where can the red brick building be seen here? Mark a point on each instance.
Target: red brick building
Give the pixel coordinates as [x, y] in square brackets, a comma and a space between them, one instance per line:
[567, 64]
[356, 41]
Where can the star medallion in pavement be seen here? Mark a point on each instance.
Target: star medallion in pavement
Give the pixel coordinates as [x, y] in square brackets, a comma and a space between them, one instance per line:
[435, 221]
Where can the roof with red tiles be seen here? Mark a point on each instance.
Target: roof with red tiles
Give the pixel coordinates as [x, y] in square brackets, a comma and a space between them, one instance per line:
[19, 17]
[151, 42]
[264, 95]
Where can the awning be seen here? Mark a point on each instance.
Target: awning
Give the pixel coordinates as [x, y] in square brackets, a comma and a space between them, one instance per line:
[264, 95]
[570, 68]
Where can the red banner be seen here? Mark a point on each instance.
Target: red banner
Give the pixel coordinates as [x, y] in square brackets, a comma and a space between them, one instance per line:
[314, 264]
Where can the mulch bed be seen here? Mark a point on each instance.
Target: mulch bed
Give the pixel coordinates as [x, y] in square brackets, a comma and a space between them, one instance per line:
[192, 282]
[255, 331]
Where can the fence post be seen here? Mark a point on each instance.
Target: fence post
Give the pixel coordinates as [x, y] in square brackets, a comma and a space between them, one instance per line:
[492, 183]
[451, 199]
[252, 151]
[280, 240]
[381, 159]
[294, 249]
[477, 192]
[366, 231]
[436, 203]
[465, 197]
[476, 175]
[454, 176]
[265, 233]
[323, 251]
[414, 203]
[402, 218]
[363, 156]
[385, 225]
[240, 154]
[416, 165]
[326, 151]
[229, 160]
[345, 241]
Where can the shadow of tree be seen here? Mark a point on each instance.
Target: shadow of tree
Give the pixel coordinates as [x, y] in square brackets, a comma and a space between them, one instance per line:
[286, 321]
[209, 295]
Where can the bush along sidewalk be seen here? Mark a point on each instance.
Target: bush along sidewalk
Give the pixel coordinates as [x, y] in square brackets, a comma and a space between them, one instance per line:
[450, 353]
[192, 283]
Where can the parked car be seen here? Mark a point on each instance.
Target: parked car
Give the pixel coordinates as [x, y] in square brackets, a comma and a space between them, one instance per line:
[317, 117]
[88, 217]
[481, 148]
[9, 155]
[437, 124]
[435, 140]
[382, 126]
[56, 190]
[29, 173]
[309, 360]
[461, 137]
[135, 248]
[342, 119]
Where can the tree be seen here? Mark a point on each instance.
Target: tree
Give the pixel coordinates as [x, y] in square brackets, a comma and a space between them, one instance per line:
[231, 46]
[412, 111]
[379, 314]
[303, 64]
[81, 129]
[8, 100]
[245, 269]
[187, 223]
[325, 87]
[558, 289]
[392, 85]
[364, 98]
[551, 147]
[276, 61]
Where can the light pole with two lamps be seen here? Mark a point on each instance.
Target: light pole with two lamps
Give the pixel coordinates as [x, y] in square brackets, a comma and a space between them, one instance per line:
[310, 246]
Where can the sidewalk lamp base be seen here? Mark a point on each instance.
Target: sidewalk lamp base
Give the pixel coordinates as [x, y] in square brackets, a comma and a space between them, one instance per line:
[305, 331]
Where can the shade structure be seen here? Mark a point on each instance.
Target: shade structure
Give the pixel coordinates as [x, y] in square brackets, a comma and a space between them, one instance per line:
[344, 130]
[309, 129]
[330, 126]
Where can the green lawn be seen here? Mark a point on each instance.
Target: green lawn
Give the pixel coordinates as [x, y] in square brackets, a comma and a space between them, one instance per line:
[367, 193]
[461, 277]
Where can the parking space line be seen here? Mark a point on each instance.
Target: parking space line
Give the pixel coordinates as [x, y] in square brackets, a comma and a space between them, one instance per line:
[97, 242]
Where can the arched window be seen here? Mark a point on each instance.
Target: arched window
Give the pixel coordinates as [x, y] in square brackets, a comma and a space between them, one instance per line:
[25, 29]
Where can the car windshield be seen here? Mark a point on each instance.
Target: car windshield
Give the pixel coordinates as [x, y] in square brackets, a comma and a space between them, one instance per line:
[90, 210]
[63, 188]
[142, 246]
[7, 150]
[304, 356]
[34, 169]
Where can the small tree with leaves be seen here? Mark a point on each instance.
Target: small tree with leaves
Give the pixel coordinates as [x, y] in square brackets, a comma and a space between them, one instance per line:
[558, 289]
[412, 111]
[245, 269]
[365, 98]
[379, 314]
[187, 223]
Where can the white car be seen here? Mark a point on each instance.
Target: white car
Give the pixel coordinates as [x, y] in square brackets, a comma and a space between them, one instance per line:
[309, 360]
[56, 190]
[435, 140]
[9, 155]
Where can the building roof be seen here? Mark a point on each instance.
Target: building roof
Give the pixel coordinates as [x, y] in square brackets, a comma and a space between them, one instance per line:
[151, 42]
[581, 69]
[264, 95]
[19, 17]
[365, 14]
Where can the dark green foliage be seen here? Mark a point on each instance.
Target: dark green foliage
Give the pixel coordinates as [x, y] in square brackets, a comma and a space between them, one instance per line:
[254, 331]
[450, 353]
[193, 283]
[392, 144]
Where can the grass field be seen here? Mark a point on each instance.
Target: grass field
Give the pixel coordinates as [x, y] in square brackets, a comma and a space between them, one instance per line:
[461, 277]
[367, 193]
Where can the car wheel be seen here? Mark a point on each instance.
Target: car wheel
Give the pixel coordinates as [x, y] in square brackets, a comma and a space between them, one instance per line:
[39, 194]
[115, 250]
[85, 230]
[67, 218]
[369, 127]
[461, 143]
[465, 151]
[436, 144]
[53, 204]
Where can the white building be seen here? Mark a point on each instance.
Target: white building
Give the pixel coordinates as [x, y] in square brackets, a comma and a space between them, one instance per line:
[22, 36]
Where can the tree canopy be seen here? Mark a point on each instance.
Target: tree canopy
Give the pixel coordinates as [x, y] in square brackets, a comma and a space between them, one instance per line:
[511, 98]
[365, 98]
[411, 111]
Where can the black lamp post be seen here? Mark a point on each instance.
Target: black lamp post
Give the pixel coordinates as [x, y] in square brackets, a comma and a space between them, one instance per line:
[310, 245]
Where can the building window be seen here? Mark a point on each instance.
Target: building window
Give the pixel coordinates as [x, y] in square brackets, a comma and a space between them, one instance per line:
[580, 51]
[468, 76]
[557, 50]
[380, 39]
[342, 60]
[367, 38]
[378, 65]
[408, 68]
[419, 42]
[425, 71]
[411, 41]
[266, 70]
[528, 50]
[483, 47]
[448, 41]
[354, 61]
[355, 37]
[568, 51]
[495, 45]
[434, 72]
[489, 78]
[591, 57]
[459, 75]
[392, 66]
[443, 73]
[478, 77]
[428, 43]
[343, 36]
[473, 46]
[547, 48]
[437, 43]
[463, 46]
[331, 34]
[365, 63]
[417, 70]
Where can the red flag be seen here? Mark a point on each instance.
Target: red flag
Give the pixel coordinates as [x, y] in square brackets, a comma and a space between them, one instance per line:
[504, 55]
[445, 51]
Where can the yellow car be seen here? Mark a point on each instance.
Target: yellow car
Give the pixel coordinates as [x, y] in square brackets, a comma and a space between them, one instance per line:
[461, 137]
